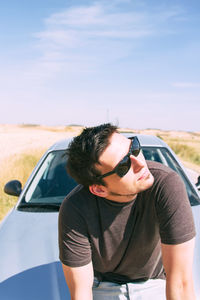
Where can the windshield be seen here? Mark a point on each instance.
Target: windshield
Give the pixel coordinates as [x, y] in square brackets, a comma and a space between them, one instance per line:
[51, 182]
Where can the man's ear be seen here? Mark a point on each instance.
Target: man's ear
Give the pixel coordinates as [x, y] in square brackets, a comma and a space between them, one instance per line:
[98, 190]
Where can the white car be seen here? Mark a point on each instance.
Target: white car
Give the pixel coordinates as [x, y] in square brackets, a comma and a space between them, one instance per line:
[29, 264]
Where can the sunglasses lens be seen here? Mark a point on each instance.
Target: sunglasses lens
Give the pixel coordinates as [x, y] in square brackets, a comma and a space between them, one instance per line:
[135, 152]
[123, 167]
[135, 147]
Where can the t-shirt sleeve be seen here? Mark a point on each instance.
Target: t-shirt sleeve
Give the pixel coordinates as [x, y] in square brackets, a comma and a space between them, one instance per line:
[174, 212]
[74, 245]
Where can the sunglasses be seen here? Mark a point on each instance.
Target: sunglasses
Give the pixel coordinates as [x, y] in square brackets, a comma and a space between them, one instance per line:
[124, 165]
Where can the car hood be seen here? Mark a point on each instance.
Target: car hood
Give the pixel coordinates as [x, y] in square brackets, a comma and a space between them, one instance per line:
[29, 262]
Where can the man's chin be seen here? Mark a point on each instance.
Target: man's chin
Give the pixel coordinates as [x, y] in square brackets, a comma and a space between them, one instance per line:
[148, 182]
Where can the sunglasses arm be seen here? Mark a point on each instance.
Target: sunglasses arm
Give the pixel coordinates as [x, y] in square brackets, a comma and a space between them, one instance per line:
[107, 174]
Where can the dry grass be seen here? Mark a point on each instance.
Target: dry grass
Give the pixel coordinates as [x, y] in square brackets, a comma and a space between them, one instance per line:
[18, 166]
[187, 148]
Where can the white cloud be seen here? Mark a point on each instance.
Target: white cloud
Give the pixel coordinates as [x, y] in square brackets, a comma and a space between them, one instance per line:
[79, 16]
[186, 84]
[83, 25]
[57, 37]
[100, 33]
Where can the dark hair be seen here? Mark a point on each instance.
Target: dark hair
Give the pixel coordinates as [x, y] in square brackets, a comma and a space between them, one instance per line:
[84, 152]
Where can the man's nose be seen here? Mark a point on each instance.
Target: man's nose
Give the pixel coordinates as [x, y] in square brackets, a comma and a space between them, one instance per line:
[137, 163]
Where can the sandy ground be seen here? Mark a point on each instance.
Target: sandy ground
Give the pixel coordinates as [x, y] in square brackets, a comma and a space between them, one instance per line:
[15, 139]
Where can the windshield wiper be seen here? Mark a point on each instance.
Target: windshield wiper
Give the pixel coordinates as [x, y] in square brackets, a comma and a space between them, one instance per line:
[49, 206]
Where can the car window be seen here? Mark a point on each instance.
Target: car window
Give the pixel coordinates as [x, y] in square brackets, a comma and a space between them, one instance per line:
[51, 182]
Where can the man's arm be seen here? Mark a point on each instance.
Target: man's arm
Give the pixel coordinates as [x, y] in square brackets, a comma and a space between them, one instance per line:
[79, 281]
[177, 261]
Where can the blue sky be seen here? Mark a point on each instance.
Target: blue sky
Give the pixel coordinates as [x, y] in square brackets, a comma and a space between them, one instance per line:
[133, 63]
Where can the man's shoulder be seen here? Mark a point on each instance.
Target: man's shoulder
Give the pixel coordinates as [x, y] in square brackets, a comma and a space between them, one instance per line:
[159, 169]
[77, 197]
[76, 192]
[163, 174]
[165, 178]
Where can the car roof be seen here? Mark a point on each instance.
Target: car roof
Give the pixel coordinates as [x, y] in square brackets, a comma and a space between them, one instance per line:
[145, 141]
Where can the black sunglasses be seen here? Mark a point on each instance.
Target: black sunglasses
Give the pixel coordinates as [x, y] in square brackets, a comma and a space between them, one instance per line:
[124, 165]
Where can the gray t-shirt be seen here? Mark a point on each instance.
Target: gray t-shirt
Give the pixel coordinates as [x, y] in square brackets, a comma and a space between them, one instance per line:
[123, 239]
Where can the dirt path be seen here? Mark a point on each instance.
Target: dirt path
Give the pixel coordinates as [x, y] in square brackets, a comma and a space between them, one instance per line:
[15, 139]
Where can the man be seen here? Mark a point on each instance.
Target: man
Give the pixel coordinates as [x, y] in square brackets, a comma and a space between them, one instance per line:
[126, 220]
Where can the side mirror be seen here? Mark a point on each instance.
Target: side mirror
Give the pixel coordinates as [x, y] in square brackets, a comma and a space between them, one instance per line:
[13, 188]
[198, 183]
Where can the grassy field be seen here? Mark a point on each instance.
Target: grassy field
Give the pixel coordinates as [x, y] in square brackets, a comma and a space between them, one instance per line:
[18, 161]
[186, 147]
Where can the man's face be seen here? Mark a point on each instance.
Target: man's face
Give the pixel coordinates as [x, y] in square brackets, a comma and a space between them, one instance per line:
[138, 178]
